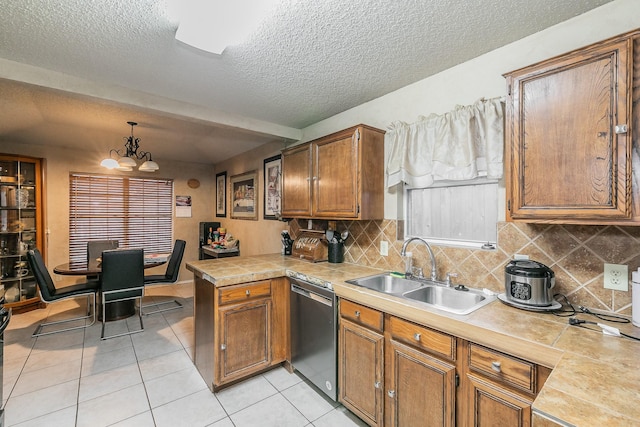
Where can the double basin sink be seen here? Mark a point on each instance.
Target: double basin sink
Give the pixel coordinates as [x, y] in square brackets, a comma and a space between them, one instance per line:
[456, 300]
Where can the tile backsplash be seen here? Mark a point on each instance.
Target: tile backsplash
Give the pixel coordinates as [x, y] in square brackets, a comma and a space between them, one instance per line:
[575, 253]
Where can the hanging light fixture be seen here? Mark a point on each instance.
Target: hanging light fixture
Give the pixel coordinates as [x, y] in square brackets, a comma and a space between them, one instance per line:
[127, 158]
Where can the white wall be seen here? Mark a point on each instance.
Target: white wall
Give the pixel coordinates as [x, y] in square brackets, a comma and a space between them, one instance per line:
[482, 76]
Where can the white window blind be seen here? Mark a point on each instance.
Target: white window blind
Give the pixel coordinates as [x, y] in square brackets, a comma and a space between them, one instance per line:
[135, 211]
[458, 214]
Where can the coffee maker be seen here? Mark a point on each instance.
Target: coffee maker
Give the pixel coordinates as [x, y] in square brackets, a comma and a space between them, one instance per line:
[287, 243]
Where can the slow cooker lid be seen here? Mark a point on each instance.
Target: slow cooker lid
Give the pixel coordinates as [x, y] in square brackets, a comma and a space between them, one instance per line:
[528, 268]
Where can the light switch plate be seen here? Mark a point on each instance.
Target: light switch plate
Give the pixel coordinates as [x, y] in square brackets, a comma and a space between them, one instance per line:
[384, 248]
[616, 276]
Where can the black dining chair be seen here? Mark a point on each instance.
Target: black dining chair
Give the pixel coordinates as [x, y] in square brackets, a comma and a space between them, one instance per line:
[122, 279]
[170, 276]
[95, 249]
[49, 294]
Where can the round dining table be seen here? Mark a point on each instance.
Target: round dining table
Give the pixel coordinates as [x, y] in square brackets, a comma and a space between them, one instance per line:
[116, 310]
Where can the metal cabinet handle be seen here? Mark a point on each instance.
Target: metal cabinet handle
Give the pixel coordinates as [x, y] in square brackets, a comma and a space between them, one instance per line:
[416, 336]
[377, 384]
[496, 366]
[247, 292]
[391, 393]
[223, 346]
[621, 128]
[357, 313]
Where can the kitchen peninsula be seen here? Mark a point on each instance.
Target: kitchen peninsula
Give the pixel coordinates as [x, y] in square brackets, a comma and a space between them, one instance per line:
[595, 379]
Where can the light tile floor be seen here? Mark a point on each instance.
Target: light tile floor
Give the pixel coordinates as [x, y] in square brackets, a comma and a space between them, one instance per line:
[147, 379]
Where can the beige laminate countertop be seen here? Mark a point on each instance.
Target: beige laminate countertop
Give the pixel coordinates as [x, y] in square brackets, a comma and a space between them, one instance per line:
[595, 379]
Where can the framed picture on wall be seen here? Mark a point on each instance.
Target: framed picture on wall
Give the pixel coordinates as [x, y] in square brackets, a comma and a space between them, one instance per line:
[221, 194]
[243, 193]
[272, 187]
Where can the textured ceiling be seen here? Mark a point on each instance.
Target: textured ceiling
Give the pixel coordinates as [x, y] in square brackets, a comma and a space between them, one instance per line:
[308, 61]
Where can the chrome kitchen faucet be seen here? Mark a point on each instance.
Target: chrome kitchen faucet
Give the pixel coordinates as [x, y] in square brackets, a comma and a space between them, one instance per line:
[434, 274]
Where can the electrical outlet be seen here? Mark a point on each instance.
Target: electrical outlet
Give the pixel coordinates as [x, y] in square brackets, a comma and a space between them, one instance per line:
[616, 277]
[384, 248]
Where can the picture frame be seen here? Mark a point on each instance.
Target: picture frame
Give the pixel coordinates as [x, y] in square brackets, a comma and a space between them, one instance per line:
[272, 187]
[243, 194]
[221, 194]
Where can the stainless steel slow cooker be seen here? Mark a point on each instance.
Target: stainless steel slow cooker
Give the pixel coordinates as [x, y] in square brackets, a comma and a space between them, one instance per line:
[529, 283]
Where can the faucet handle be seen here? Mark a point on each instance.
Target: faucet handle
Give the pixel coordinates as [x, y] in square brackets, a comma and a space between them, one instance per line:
[448, 280]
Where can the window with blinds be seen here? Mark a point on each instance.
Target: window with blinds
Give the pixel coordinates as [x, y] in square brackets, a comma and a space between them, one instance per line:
[135, 211]
[463, 214]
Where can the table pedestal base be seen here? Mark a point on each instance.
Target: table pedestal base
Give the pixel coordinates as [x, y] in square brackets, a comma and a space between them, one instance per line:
[117, 310]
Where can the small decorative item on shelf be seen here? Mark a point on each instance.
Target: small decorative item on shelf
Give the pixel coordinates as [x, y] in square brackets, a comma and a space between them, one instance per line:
[230, 242]
[12, 294]
[20, 269]
[224, 240]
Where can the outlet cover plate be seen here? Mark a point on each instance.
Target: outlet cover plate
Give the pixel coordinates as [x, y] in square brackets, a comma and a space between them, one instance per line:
[384, 248]
[616, 276]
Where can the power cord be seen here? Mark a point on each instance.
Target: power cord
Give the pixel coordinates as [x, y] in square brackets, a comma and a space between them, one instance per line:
[564, 302]
[606, 329]
[606, 317]
[572, 311]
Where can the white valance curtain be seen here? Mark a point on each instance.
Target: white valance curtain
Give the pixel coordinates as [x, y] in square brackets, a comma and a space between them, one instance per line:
[462, 144]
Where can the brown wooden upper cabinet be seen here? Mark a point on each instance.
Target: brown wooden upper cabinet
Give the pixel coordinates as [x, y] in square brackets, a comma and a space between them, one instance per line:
[339, 176]
[569, 136]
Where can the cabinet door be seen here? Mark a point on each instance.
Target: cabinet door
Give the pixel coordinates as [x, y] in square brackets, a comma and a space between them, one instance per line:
[21, 220]
[335, 177]
[492, 405]
[419, 387]
[245, 339]
[568, 160]
[360, 372]
[296, 182]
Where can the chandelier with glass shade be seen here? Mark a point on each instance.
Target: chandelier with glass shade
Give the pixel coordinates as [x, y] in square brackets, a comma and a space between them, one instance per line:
[126, 159]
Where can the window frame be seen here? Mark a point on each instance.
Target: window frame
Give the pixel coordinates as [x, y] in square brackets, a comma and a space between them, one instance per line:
[127, 216]
[405, 227]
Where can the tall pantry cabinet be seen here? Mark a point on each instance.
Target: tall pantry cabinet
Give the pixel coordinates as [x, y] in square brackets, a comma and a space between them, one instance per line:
[21, 229]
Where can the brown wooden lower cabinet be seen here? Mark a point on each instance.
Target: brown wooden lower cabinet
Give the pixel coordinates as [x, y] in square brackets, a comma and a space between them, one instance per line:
[240, 330]
[245, 341]
[427, 377]
[499, 388]
[420, 388]
[491, 404]
[360, 367]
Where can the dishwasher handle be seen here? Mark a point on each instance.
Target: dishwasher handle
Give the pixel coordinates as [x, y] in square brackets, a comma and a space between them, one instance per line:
[314, 296]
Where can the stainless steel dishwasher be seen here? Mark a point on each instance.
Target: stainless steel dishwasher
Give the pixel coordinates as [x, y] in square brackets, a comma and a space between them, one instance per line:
[314, 337]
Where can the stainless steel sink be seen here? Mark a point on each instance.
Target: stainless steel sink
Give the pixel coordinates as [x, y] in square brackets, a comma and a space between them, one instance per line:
[450, 299]
[386, 283]
[433, 294]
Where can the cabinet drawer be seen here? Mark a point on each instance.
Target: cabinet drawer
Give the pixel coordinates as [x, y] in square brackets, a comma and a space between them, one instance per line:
[239, 293]
[422, 337]
[362, 315]
[510, 370]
